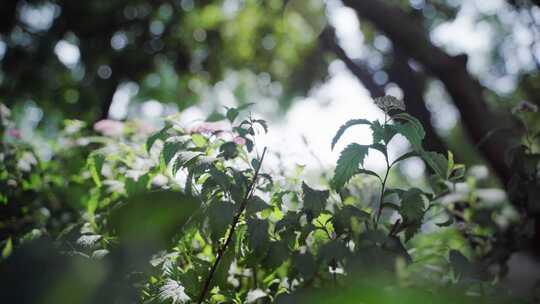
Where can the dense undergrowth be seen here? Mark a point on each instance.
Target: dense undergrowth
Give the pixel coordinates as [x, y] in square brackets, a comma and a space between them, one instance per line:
[194, 216]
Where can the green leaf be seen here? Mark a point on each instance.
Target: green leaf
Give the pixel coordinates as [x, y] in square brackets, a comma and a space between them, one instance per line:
[347, 166]
[95, 163]
[411, 230]
[245, 106]
[184, 158]
[305, 265]
[137, 186]
[161, 134]
[460, 263]
[416, 124]
[254, 205]
[314, 200]
[381, 134]
[152, 217]
[258, 238]
[412, 205]
[368, 172]
[437, 162]
[278, 253]
[220, 216]
[199, 140]
[334, 250]
[232, 114]
[169, 151]
[342, 218]
[8, 248]
[228, 150]
[344, 128]
[220, 178]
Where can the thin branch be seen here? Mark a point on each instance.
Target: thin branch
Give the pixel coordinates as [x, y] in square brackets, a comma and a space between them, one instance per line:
[236, 220]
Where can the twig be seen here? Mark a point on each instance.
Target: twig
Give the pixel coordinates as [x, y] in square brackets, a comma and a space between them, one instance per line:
[236, 219]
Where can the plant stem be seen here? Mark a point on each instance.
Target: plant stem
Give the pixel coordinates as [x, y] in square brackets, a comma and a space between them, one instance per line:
[383, 187]
[388, 167]
[236, 220]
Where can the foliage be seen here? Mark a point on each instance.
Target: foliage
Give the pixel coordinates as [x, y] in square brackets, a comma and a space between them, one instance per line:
[192, 216]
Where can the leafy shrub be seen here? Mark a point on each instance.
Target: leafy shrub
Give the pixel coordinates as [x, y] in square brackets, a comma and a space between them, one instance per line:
[193, 216]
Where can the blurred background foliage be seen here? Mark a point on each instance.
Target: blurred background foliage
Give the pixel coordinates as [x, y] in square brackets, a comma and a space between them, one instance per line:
[469, 70]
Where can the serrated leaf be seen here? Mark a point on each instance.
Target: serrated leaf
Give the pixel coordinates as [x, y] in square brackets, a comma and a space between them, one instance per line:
[437, 162]
[169, 151]
[95, 164]
[257, 231]
[183, 158]
[314, 200]
[220, 216]
[254, 205]
[228, 150]
[411, 230]
[347, 125]
[417, 125]
[342, 218]
[161, 134]
[412, 205]
[411, 133]
[220, 178]
[380, 133]
[347, 166]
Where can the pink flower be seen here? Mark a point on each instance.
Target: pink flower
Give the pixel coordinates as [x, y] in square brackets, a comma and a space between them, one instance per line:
[109, 127]
[15, 133]
[239, 140]
[207, 128]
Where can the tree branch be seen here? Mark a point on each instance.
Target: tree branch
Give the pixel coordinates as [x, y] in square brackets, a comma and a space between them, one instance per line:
[466, 92]
[413, 86]
[328, 39]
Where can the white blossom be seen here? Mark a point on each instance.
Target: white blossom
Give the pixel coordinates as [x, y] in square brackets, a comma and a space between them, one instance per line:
[254, 295]
[174, 291]
[26, 161]
[99, 254]
[88, 240]
[387, 103]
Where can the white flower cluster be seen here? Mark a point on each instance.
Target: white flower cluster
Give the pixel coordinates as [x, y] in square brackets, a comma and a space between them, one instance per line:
[387, 103]
[525, 106]
[174, 291]
[88, 240]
